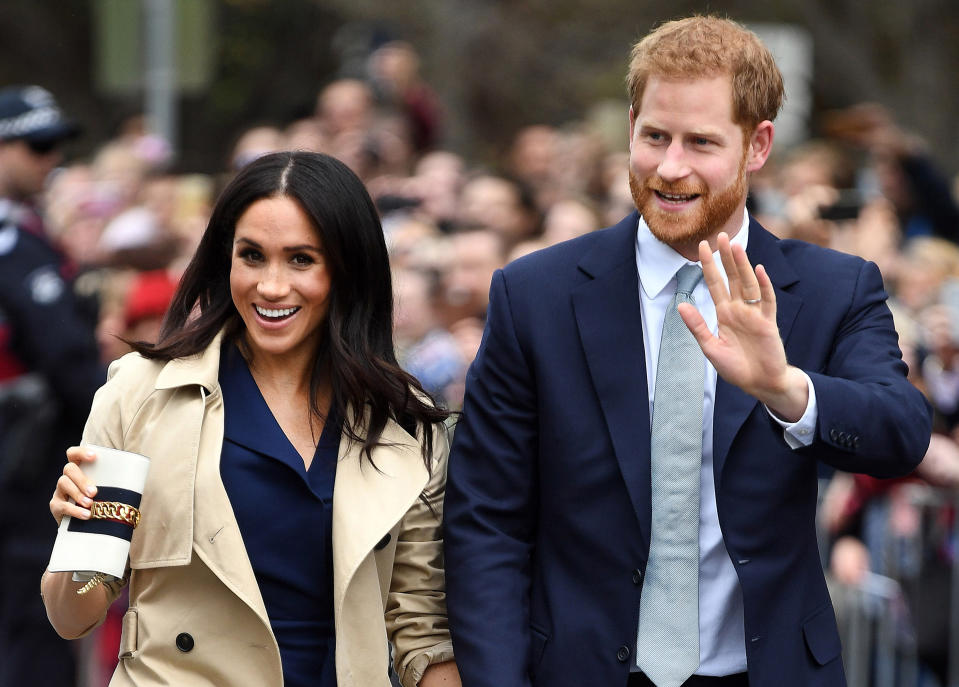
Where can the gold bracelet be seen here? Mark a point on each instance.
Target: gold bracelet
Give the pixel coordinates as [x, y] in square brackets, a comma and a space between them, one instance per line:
[113, 510]
[94, 581]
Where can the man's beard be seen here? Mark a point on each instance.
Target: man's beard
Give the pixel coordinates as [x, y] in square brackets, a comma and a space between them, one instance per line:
[688, 228]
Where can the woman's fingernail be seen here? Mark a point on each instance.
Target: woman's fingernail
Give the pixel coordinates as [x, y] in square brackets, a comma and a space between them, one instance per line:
[91, 490]
[85, 513]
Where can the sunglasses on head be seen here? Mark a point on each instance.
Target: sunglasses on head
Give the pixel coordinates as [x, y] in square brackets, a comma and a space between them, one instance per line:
[42, 147]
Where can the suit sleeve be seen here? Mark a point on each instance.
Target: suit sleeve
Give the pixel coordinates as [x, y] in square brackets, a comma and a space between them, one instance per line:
[871, 418]
[491, 504]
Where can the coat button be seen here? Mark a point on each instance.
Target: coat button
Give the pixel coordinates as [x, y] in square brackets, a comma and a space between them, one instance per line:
[855, 442]
[381, 544]
[834, 435]
[637, 576]
[622, 654]
[184, 642]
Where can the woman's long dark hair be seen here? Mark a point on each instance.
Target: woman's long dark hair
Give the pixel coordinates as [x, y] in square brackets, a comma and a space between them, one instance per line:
[356, 355]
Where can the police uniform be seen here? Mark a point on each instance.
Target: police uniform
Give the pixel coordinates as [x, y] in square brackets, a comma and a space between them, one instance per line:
[49, 371]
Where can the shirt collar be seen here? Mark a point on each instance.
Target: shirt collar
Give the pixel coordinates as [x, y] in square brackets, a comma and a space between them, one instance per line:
[658, 263]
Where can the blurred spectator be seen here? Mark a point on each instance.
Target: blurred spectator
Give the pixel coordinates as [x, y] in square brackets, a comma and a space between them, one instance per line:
[439, 181]
[502, 205]
[49, 370]
[905, 172]
[533, 159]
[569, 218]
[148, 298]
[344, 106]
[423, 347]
[394, 70]
[306, 134]
[255, 142]
[616, 198]
[473, 257]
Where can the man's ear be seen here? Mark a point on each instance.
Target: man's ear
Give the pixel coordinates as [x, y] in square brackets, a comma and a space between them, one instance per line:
[760, 145]
[632, 123]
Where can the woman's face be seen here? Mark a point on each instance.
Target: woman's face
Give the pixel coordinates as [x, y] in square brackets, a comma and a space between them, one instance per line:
[279, 279]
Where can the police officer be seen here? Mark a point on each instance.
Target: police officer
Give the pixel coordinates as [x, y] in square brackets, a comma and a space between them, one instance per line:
[49, 370]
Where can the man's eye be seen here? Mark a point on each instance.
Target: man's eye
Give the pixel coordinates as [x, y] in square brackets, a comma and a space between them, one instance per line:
[700, 141]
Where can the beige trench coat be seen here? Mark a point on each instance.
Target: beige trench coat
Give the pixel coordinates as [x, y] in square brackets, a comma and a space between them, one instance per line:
[190, 574]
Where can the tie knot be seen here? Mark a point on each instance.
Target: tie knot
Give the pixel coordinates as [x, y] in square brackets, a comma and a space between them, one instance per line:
[687, 277]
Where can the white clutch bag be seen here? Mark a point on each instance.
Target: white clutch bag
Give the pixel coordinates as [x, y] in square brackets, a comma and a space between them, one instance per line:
[98, 548]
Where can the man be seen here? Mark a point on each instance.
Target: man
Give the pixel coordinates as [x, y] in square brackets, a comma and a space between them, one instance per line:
[568, 498]
[49, 370]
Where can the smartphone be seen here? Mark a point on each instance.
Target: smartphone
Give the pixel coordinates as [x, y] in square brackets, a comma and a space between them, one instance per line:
[848, 206]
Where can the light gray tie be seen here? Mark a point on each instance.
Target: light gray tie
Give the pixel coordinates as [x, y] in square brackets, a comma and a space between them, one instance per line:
[667, 647]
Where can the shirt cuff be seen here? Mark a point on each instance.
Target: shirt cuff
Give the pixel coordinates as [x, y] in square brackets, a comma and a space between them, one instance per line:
[802, 432]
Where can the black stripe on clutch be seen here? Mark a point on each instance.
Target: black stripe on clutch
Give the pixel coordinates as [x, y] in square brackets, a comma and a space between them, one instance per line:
[111, 528]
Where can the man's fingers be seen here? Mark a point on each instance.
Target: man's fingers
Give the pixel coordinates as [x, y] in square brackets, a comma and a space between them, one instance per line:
[696, 324]
[711, 275]
[733, 277]
[745, 275]
[767, 293]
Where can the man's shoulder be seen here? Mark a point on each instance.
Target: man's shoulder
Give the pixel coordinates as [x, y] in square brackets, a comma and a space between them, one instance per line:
[565, 258]
[808, 259]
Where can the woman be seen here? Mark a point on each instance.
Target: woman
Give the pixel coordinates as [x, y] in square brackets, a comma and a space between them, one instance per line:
[273, 380]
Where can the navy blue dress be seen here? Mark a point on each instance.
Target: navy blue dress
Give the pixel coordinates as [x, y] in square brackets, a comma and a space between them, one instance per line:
[284, 512]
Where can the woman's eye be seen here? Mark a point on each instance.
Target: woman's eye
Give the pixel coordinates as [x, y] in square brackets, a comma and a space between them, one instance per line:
[303, 259]
[250, 255]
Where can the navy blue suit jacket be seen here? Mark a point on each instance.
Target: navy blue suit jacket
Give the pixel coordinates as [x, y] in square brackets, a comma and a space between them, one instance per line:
[548, 498]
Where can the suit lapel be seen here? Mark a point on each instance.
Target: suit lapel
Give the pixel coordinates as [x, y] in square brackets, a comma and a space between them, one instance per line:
[609, 319]
[733, 406]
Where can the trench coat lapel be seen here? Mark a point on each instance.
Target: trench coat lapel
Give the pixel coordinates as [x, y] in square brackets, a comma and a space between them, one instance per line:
[216, 537]
[368, 501]
[609, 319]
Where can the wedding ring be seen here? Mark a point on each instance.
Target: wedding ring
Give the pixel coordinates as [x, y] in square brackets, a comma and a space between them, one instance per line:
[752, 301]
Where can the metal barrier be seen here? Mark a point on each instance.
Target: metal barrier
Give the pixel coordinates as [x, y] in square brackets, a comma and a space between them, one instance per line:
[900, 625]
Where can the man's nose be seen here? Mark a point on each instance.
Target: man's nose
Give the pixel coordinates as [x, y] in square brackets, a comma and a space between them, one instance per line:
[674, 165]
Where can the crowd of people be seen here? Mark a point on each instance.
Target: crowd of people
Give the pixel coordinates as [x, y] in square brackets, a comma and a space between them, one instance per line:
[125, 228]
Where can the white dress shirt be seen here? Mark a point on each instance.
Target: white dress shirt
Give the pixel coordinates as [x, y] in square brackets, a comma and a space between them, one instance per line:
[722, 644]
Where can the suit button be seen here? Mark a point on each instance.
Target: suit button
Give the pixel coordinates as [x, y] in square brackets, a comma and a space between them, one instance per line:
[855, 442]
[184, 642]
[834, 435]
[381, 544]
[637, 576]
[622, 654]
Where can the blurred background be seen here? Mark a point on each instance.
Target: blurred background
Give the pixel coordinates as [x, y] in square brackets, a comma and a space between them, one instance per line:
[499, 64]
[485, 129]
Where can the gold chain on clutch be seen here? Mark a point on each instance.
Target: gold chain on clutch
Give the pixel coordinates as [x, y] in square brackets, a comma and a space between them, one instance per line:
[110, 510]
[113, 510]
